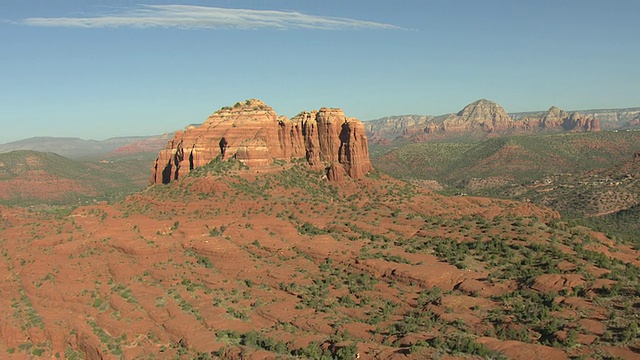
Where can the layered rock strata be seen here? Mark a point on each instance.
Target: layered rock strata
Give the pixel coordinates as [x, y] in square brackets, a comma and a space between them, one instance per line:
[482, 115]
[479, 119]
[254, 134]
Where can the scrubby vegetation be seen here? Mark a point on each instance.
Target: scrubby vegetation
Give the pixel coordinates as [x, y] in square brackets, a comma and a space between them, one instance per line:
[230, 262]
[30, 178]
[589, 177]
[523, 157]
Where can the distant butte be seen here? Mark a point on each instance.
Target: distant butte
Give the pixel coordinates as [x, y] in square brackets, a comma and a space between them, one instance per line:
[254, 134]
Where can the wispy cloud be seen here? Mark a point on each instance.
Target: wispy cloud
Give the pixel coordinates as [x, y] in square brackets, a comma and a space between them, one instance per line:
[203, 17]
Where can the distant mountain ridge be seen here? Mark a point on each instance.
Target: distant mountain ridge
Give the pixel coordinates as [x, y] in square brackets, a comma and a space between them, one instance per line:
[609, 118]
[30, 177]
[76, 148]
[486, 118]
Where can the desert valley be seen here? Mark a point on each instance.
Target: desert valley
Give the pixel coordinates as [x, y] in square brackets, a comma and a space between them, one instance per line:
[479, 234]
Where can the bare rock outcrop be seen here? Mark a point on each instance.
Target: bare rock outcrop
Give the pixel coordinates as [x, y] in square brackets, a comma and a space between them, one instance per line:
[484, 116]
[335, 172]
[558, 119]
[481, 116]
[579, 122]
[254, 134]
[552, 118]
[379, 131]
[479, 119]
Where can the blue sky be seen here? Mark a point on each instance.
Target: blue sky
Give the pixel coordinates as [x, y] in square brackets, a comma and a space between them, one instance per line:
[100, 69]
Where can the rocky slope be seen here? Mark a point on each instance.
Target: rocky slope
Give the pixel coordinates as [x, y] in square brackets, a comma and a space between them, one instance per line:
[30, 177]
[478, 119]
[36, 178]
[254, 134]
[230, 263]
[594, 193]
[584, 174]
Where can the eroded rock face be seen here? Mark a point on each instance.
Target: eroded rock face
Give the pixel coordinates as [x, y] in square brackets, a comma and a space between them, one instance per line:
[486, 117]
[479, 119]
[558, 119]
[396, 125]
[480, 116]
[254, 134]
[579, 122]
[553, 118]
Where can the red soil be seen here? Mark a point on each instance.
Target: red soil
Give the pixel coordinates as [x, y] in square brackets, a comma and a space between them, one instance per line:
[164, 271]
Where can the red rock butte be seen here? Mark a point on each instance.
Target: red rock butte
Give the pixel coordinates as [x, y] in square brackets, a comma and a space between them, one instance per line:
[254, 134]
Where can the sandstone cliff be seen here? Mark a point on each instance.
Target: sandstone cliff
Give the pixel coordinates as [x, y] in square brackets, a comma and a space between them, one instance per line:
[482, 115]
[615, 118]
[254, 134]
[479, 119]
[397, 125]
[557, 119]
[552, 118]
[579, 122]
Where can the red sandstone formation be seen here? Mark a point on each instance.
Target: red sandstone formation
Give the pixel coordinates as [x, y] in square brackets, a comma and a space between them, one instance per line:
[480, 118]
[488, 117]
[579, 122]
[254, 134]
[481, 115]
[553, 118]
[556, 118]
